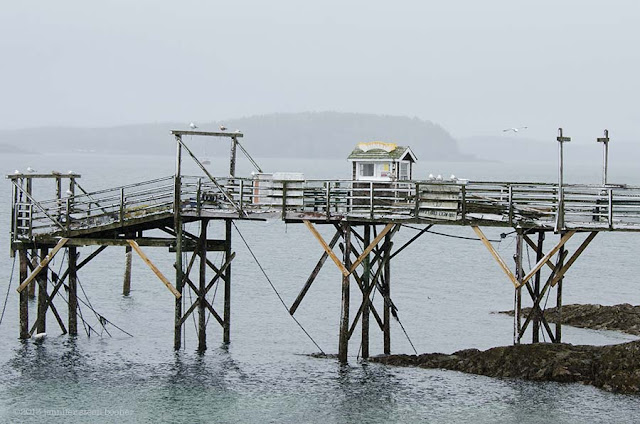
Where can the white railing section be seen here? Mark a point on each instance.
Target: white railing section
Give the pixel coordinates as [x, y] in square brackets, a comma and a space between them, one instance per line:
[503, 203]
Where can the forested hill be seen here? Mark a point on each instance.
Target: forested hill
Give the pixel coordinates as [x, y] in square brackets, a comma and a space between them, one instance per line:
[311, 134]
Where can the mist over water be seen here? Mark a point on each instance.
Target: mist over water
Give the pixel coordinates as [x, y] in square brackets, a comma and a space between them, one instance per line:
[445, 290]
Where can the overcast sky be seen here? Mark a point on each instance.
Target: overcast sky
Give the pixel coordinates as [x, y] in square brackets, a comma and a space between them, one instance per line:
[475, 67]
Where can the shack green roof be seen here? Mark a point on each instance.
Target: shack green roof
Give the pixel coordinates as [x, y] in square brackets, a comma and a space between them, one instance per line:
[381, 151]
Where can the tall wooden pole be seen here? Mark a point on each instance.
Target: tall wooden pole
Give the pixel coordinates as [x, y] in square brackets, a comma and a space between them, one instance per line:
[177, 223]
[387, 296]
[232, 159]
[202, 323]
[31, 288]
[518, 294]
[73, 292]
[126, 283]
[536, 290]
[24, 296]
[42, 295]
[226, 336]
[366, 282]
[559, 300]
[343, 343]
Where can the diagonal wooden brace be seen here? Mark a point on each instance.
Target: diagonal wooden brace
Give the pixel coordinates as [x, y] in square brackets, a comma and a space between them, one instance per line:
[42, 265]
[573, 258]
[371, 246]
[565, 238]
[155, 269]
[345, 272]
[496, 256]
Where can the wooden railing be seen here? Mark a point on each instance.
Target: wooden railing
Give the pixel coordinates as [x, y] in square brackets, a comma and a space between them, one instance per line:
[500, 203]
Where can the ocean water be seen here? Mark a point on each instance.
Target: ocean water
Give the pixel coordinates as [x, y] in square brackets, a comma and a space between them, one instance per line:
[446, 290]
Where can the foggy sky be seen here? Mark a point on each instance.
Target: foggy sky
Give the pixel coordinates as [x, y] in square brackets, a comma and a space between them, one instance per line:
[475, 67]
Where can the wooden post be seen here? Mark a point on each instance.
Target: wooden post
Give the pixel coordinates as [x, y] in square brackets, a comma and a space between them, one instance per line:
[386, 278]
[366, 282]
[202, 324]
[42, 295]
[31, 289]
[177, 223]
[518, 294]
[343, 344]
[126, 283]
[559, 301]
[232, 159]
[24, 296]
[536, 290]
[73, 292]
[227, 285]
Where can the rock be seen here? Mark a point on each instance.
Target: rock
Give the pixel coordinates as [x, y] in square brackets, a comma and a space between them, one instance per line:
[613, 368]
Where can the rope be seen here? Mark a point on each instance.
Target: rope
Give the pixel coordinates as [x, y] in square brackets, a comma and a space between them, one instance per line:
[4, 307]
[449, 235]
[274, 288]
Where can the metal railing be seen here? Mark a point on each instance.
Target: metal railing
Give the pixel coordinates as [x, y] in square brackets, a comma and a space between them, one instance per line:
[503, 203]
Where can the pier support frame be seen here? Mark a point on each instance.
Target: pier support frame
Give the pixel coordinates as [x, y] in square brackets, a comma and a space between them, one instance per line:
[370, 269]
[531, 281]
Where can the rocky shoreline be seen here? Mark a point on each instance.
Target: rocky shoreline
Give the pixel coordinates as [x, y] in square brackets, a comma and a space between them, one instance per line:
[624, 317]
[614, 368]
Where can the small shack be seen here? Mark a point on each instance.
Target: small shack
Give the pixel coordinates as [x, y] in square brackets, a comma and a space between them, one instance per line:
[379, 161]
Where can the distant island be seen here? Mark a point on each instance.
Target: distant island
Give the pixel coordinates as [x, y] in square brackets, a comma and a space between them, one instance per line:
[309, 134]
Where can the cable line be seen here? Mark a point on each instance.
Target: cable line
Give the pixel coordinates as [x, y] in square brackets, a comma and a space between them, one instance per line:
[274, 288]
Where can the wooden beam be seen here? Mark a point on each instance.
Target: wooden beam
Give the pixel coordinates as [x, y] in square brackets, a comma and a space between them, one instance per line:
[156, 271]
[496, 255]
[208, 133]
[313, 275]
[42, 264]
[546, 257]
[373, 244]
[345, 272]
[573, 258]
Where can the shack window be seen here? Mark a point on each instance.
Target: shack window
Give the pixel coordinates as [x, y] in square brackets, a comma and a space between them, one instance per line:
[366, 169]
[404, 171]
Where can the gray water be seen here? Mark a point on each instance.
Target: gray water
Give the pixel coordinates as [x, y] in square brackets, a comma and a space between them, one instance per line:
[445, 289]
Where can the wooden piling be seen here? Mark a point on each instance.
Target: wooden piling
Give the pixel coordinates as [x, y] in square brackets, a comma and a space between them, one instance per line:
[202, 324]
[126, 283]
[518, 290]
[386, 277]
[366, 282]
[31, 288]
[42, 295]
[559, 300]
[73, 291]
[343, 344]
[226, 337]
[24, 296]
[536, 290]
[177, 224]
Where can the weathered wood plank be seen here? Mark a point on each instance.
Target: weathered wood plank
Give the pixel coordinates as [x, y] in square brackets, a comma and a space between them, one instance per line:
[42, 264]
[496, 255]
[155, 270]
[326, 248]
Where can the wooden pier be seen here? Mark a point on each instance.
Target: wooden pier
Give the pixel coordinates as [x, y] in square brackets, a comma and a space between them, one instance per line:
[370, 212]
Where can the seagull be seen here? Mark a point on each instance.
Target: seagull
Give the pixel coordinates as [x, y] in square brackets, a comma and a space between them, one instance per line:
[31, 170]
[223, 128]
[193, 126]
[515, 130]
[238, 131]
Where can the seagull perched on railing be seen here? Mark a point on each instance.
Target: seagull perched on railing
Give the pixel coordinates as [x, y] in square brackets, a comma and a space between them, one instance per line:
[193, 126]
[515, 130]
[223, 128]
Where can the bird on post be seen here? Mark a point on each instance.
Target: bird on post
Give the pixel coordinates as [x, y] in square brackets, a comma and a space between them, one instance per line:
[223, 128]
[193, 126]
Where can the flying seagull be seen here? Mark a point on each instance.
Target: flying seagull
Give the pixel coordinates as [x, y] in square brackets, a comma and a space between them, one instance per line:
[515, 130]
[193, 126]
